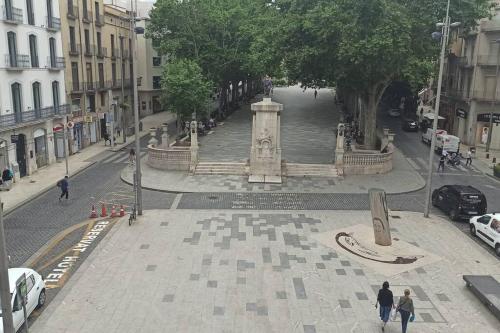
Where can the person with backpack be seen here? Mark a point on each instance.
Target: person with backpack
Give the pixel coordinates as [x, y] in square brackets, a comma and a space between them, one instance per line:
[64, 185]
[7, 177]
[442, 159]
[406, 309]
[386, 301]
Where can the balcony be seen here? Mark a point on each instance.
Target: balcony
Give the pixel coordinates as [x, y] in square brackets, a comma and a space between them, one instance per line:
[99, 20]
[13, 119]
[72, 13]
[89, 50]
[87, 16]
[90, 86]
[124, 54]
[12, 15]
[488, 60]
[114, 53]
[485, 96]
[76, 87]
[74, 49]
[17, 61]
[56, 63]
[53, 23]
[102, 52]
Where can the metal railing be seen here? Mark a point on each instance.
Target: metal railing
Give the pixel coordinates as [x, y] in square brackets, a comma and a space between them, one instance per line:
[12, 15]
[17, 61]
[76, 87]
[115, 53]
[124, 54]
[9, 120]
[99, 20]
[90, 86]
[488, 60]
[102, 52]
[53, 23]
[72, 12]
[89, 50]
[74, 49]
[87, 16]
[56, 63]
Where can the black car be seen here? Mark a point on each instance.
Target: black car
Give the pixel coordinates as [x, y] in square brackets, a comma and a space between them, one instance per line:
[459, 201]
[410, 125]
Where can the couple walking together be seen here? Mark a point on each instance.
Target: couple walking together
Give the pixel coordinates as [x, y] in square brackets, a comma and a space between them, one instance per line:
[387, 307]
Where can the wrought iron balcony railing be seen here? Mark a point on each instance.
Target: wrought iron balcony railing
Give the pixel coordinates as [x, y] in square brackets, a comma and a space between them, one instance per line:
[13, 119]
[17, 61]
[56, 63]
[53, 23]
[12, 15]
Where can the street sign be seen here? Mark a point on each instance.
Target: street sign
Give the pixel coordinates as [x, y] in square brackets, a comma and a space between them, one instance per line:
[461, 113]
[88, 119]
[14, 138]
[485, 117]
[70, 124]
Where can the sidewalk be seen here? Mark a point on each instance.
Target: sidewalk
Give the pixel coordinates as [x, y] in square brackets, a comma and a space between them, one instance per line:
[29, 187]
[402, 179]
[278, 271]
[480, 161]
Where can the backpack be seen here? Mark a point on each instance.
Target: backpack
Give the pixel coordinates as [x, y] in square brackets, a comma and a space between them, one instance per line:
[59, 183]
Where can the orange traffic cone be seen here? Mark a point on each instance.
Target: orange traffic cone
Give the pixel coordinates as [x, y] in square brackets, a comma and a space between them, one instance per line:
[104, 213]
[93, 213]
[122, 211]
[113, 211]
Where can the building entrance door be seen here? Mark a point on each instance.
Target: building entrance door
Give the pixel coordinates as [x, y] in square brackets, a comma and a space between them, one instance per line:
[21, 154]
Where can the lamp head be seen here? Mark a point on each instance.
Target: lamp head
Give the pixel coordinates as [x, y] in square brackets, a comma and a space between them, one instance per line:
[439, 25]
[455, 24]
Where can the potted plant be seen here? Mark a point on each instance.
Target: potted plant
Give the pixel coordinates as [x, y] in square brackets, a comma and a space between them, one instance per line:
[496, 170]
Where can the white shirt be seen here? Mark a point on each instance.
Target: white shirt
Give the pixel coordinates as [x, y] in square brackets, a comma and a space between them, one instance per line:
[469, 154]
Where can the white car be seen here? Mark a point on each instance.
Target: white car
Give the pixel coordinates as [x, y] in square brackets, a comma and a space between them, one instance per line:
[35, 298]
[487, 227]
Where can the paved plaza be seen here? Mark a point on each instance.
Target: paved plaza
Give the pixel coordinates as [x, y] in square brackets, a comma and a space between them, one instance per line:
[278, 271]
[307, 126]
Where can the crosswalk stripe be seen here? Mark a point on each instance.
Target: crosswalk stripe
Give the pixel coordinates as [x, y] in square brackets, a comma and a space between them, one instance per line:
[108, 158]
[413, 164]
[114, 159]
[122, 159]
[422, 162]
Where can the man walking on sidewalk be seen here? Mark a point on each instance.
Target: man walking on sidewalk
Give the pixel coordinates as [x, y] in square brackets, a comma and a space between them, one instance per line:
[64, 185]
[469, 158]
[442, 159]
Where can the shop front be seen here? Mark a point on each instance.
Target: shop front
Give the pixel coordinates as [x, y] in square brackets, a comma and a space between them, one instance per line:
[41, 155]
[483, 129]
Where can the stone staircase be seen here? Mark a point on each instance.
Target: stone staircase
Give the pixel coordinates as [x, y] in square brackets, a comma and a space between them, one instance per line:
[311, 170]
[221, 168]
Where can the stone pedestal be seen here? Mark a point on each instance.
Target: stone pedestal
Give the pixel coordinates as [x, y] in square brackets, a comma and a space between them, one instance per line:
[380, 217]
[339, 149]
[164, 136]
[153, 142]
[265, 154]
[194, 146]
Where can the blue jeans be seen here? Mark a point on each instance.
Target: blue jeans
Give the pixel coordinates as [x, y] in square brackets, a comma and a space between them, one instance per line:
[405, 315]
[385, 312]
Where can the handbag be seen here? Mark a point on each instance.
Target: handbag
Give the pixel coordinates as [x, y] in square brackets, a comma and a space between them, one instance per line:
[412, 318]
[394, 314]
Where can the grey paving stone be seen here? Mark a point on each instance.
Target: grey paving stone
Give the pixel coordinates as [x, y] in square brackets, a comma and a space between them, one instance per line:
[359, 272]
[427, 317]
[251, 307]
[420, 270]
[164, 224]
[144, 246]
[266, 255]
[212, 233]
[241, 280]
[345, 263]
[320, 265]
[420, 293]
[281, 295]
[211, 284]
[344, 304]
[218, 311]
[206, 262]
[443, 297]
[300, 291]
[340, 272]
[262, 311]
[150, 268]
[309, 329]
[194, 277]
[362, 296]
[168, 298]
[224, 262]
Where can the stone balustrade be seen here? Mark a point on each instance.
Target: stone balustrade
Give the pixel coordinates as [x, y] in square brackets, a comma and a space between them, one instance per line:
[172, 158]
[367, 163]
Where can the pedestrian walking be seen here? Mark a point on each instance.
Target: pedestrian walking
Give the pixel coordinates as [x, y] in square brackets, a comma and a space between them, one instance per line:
[107, 138]
[469, 158]
[442, 159]
[131, 157]
[405, 308]
[386, 301]
[7, 177]
[315, 93]
[64, 185]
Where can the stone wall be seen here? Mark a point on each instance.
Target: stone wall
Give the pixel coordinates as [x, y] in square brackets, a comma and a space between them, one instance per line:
[367, 163]
[172, 158]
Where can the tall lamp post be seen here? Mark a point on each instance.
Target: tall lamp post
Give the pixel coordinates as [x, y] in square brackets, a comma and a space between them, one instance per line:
[444, 34]
[490, 129]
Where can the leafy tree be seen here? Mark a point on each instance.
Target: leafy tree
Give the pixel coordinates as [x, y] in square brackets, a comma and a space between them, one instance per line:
[184, 89]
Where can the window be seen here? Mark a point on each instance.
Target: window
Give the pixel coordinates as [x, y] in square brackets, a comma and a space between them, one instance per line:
[121, 46]
[130, 47]
[87, 41]
[484, 219]
[52, 50]
[74, 75]
[55, 94]
[16, 100]
[88, 68]
[156, 82]
[29, 9]
[113, 45]
[33, 51]
[84, 7]
[8, 10]
[49, 12]
[495, 226]
[11, 37]
[103, 99]
[30, 282]
[113, 73]
[96, 7]
[156, 61]
[72, 39]
[37, 103]
[101, 74]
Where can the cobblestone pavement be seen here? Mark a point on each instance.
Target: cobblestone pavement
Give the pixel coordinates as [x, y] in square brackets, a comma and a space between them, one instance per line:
[276, 271]
[306, 129]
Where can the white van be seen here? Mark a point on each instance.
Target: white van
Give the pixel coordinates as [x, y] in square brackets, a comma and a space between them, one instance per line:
[446, 142]
[427, 136]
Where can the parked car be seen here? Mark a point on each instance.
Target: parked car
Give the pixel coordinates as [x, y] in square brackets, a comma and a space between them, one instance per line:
[394, 113]
[35, 298]
[410, 125]
[487, 228]
[459, 201]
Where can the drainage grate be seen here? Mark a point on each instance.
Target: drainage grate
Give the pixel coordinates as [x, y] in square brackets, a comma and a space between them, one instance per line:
[395, 216]
[213, 197]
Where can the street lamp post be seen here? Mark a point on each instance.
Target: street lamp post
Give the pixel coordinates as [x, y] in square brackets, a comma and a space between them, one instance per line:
[445, 31]
[493, 101]
[136, 112]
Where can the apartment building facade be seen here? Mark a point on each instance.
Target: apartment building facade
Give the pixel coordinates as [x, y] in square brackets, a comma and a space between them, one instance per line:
[32, 90]
[149, 73]
[472, 85]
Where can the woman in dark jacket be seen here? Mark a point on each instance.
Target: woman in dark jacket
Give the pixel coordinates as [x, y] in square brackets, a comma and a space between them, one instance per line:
[386, 300]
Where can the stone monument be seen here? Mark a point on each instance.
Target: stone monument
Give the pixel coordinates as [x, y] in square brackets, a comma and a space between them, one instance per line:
[164, 136]
[339, 149]
[265, 154]
[380, 217]
[194, 146]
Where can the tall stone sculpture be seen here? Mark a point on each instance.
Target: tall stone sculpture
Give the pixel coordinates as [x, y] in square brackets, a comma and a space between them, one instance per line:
[194, 146]
[265, 154]
[339, 149]
[380, 217]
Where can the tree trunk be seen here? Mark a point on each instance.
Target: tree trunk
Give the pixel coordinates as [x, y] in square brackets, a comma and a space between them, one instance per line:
[370, 130]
